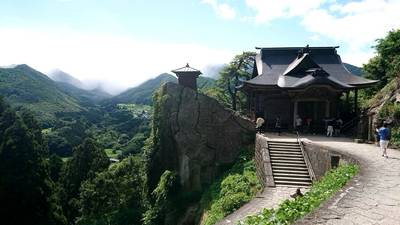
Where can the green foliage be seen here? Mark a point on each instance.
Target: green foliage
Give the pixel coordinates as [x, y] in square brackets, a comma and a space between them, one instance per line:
[230, 78]
[26, 191]
[86, 161]
[115, 196]
[290, 210]
[162, 198]
[386, 64]
[232, 190]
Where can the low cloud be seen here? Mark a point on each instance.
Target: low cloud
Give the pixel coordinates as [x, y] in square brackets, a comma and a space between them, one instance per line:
[114, 61]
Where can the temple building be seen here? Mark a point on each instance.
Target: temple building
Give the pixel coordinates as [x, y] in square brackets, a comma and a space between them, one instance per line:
[305, 82]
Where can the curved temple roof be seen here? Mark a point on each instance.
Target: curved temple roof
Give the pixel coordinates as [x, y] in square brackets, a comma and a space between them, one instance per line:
[297, 67]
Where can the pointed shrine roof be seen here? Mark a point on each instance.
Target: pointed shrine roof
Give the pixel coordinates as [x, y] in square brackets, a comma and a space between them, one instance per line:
[186, 69]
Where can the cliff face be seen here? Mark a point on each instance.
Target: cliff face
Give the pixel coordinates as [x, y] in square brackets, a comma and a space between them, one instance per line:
[194, 136]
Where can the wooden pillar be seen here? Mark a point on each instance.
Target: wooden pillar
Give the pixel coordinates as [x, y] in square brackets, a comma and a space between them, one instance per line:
[355, 100]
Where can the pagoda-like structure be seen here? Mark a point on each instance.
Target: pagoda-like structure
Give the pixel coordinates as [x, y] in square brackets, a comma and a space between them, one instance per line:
[305, 82]
[187, 76]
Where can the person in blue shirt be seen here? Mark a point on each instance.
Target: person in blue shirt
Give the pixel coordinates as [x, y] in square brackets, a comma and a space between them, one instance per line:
[384, 137]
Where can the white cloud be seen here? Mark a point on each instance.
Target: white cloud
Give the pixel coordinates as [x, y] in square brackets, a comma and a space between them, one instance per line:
[119, 61]
[355, 24]
[268, 10]
[222, 9]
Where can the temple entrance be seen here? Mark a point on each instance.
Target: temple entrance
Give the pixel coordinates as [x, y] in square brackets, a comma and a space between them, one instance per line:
[313, 114]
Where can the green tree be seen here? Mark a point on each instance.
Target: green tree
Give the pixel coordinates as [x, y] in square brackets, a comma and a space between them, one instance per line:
[162, 198]
[26, 191]
[87, 159]
[115, 196]
[385, 65]
[231, 76]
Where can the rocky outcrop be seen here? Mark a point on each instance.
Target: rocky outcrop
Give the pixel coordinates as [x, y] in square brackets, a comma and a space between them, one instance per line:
[194, 136]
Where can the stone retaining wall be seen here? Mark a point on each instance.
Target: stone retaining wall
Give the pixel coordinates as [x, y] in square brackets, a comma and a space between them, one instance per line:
[263, 161]
[323, 158]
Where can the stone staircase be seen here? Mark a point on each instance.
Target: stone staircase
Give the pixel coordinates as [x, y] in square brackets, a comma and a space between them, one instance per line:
[288, 165]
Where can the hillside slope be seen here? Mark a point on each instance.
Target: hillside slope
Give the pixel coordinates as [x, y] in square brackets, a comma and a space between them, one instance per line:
[24, 86]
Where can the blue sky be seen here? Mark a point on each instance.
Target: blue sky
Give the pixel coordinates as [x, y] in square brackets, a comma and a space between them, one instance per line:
[123, 42]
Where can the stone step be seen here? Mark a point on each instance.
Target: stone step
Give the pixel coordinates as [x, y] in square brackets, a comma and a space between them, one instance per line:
[291, 171]
[291, 168]
[285, 149]
[271, 152]
[284, 142]
[284, 178]
[276, 174]
[287, 165]
[287, 157]
[300, 162]
[292, 183]
[284, 146]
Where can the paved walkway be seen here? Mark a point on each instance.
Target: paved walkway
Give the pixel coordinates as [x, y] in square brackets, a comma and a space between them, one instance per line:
[372, 197]
[269, 198]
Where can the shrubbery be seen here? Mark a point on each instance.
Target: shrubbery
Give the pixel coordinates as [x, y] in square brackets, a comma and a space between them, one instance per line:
[291, 210]
[231, 191]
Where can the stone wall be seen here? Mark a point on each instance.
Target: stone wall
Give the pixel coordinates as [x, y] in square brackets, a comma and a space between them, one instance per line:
[263, 161]
[322, 157]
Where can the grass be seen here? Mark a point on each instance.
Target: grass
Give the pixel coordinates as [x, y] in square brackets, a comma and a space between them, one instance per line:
[238, 186]
[290, 210]
[111, 153]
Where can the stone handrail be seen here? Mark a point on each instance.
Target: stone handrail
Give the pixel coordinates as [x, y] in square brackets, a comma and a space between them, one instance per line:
[306, 159]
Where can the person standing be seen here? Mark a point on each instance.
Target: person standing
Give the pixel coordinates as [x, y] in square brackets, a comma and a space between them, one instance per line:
[384, 137]
[329, 129]
[278, 125]
[259, 123]
[299, 123]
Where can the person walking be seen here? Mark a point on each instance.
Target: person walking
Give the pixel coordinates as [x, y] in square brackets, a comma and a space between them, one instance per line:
[384, 137]
[278, 125]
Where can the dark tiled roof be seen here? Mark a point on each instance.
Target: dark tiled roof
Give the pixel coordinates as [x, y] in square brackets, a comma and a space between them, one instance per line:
[284, 67]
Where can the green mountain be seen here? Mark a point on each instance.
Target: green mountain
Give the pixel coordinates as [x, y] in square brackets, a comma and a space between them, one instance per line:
[353, 69]
[24, 86]
[143, 93]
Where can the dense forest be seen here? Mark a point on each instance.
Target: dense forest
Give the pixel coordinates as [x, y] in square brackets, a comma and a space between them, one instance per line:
[56, 141]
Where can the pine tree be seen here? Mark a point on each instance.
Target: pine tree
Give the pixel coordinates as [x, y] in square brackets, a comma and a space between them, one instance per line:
[86, 161]
[26, 192]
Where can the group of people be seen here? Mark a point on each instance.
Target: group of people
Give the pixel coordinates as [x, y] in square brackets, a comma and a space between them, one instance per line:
[260, 123]
[333, 126]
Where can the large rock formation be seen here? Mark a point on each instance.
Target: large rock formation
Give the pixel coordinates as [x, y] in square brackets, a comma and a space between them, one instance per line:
[194, 136]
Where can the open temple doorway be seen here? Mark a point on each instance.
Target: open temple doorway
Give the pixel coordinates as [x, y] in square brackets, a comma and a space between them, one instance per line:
[313, 114]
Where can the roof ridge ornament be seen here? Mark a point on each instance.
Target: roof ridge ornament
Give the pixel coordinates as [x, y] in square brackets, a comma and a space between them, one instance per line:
[303, 51]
